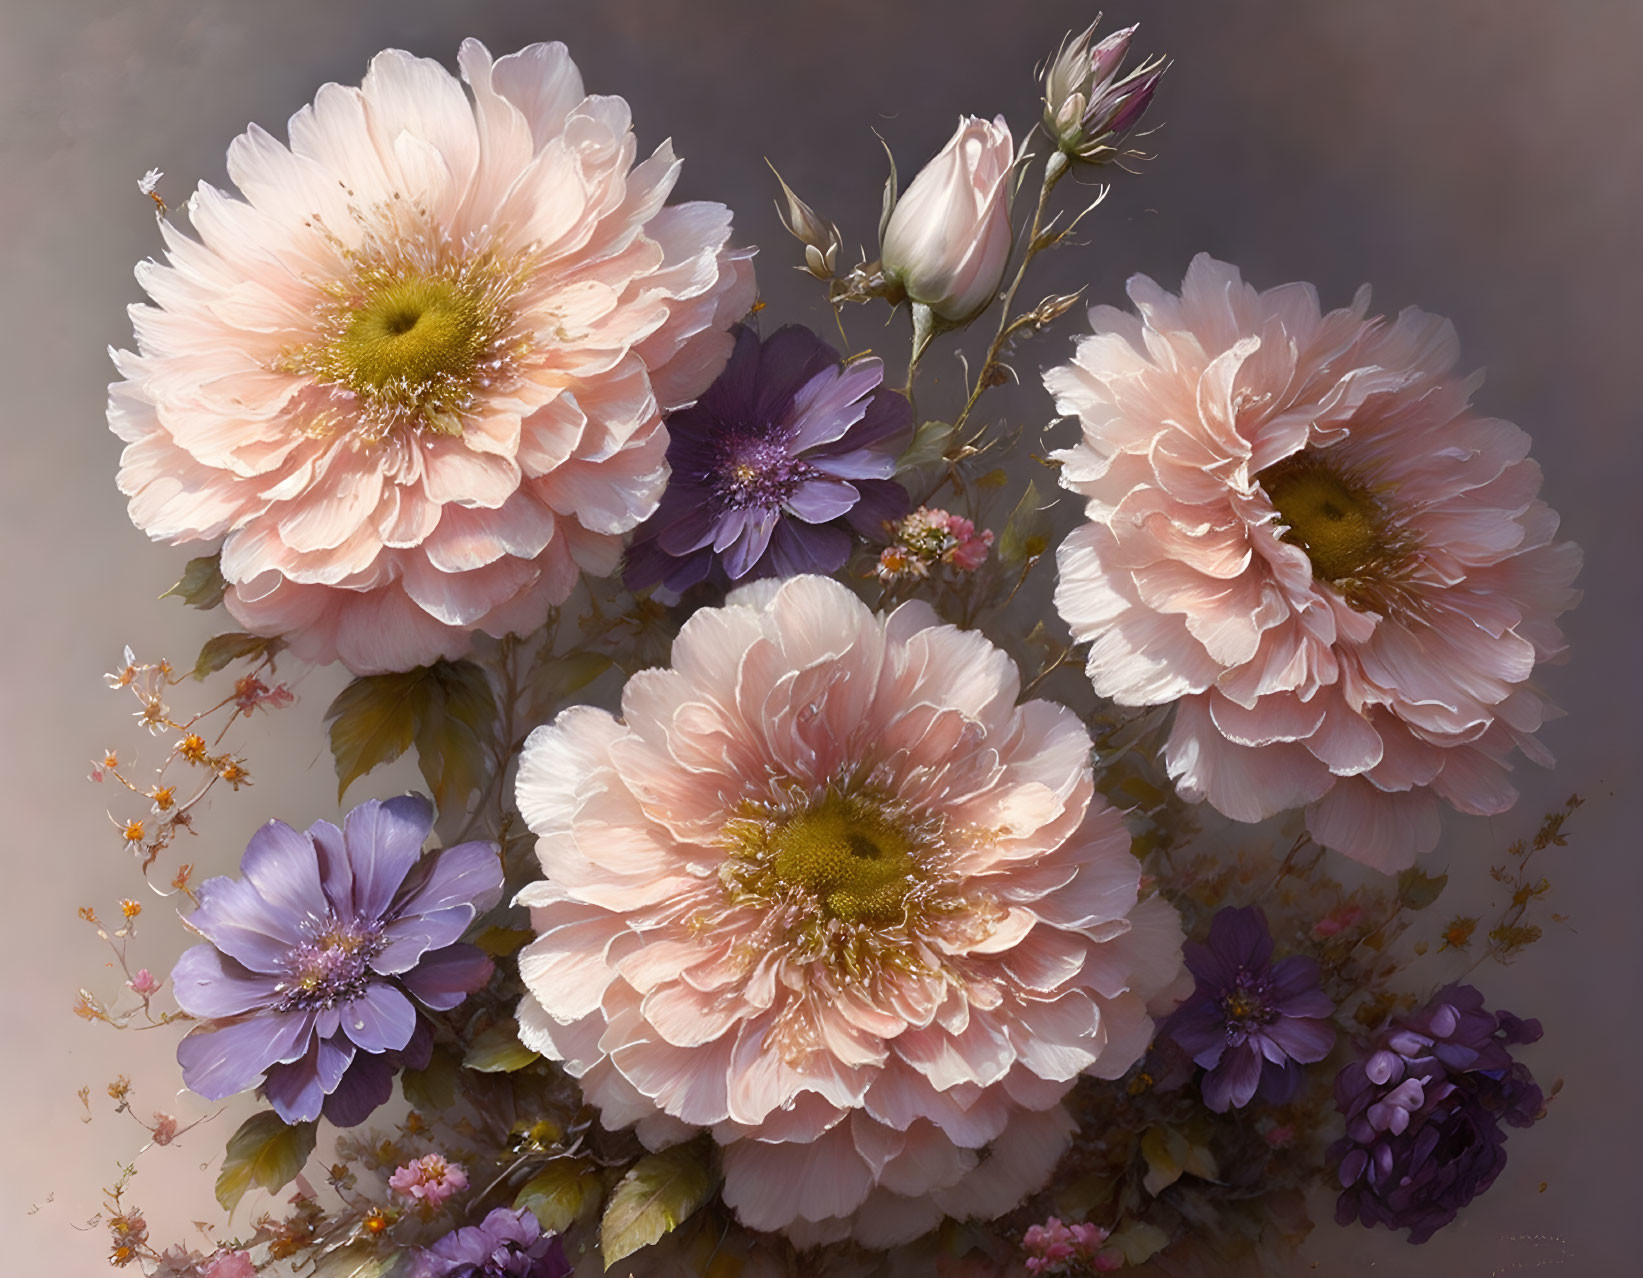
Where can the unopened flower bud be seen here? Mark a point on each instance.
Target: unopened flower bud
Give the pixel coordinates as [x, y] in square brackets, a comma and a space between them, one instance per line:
[821, 239]
[1088, 104]
[947, 241]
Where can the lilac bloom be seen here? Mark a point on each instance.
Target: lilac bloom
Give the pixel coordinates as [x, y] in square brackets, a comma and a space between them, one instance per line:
[782, 458]
[1424, 1108]
[314, 957]
[1250, 1022]
[506, 1244]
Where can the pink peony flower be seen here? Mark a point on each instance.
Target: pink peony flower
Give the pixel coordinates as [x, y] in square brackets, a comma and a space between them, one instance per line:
[415, 377]
[1301, 535]
[948, 238]
[429, 1180]
[828, 891]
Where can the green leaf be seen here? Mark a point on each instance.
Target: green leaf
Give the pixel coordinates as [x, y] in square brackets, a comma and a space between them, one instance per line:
[499, 1051]
[1026, 535]
[202, 584]
[446, 709]
[557, 1194]
[373, 721]
[1138, 1241]
[454, 730]
[928, 447]
[266, 1152]
[554, 678]
[659, 1193]
[432, 1089]
[1164, 1148]
[891, 192]
[499, 942]
[222, 649]
[1417, 890]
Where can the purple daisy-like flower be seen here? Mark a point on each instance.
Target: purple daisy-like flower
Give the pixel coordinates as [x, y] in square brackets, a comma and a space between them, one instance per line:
[1424, 1107]
[786, 454]
[1250, 1022]
[506, 1244]
[316, 953]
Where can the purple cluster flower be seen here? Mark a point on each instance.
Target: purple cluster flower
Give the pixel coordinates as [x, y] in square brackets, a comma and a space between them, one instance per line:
[1250, 1022]
[506, 1244]
[1424, 1110]
[786, 454]
[315, 955]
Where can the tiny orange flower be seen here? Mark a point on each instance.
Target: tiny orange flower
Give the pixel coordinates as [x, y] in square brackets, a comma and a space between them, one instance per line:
[164, 796]
[192, 748]
[234, 772]
[132, 831]
[376, 1220]
[88, 913]
[131, 909]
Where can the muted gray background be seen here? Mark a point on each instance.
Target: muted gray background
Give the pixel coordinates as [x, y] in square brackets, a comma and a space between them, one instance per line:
[1480, 158]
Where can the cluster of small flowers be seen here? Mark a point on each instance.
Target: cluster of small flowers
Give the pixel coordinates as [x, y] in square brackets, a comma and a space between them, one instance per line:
[171, 813]
[929, 537]
[1055, 1248]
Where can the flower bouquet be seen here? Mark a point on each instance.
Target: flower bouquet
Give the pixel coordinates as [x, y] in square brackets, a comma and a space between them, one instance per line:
[836, 855]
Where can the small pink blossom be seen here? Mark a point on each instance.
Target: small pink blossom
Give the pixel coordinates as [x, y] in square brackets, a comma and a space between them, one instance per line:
[164, 1129]
[144, 983]
[1055, 1248]
[230, 1264]
[251, 692]
[429, 1180]
[928, 536]
[1337, 920]
[1279, 1136]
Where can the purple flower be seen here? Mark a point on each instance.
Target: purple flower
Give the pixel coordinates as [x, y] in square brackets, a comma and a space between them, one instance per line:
[775, 465]
[1424, 1109]
[1250, 1022]
[506, 1244]
[303, 987]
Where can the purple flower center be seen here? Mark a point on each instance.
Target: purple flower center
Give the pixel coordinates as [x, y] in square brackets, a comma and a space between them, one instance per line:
[756, 471]
[1246, 1006]
[333, 967]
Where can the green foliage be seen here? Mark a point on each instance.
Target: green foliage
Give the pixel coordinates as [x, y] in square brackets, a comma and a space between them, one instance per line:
[557, 1194]
[499, 1051]
[202, 584]
[1417, 890]
[222, 649]
[1026, 535]
[552, 678]
[265, 1152]
[447, 710]
[1170, 1154]
[929, 446]
[432, 1089]
[659, 1193]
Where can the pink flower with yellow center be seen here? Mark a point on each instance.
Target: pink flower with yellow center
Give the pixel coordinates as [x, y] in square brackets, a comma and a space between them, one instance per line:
[827, 890]
[413, 377]
[1301, 535]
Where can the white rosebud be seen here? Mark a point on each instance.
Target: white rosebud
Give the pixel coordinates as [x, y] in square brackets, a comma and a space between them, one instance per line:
[948, 239]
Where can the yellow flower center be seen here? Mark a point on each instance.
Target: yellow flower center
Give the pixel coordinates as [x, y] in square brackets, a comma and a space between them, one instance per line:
[1337, 523]
[858, 865]
[416, 340]
[411, 333]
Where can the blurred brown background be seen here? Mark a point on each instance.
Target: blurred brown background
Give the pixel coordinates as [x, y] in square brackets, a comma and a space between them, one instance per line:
[1480, 158]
